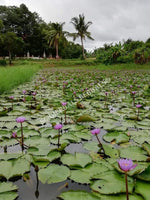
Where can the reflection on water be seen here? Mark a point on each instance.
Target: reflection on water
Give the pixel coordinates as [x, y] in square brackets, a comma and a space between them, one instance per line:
[32, 190]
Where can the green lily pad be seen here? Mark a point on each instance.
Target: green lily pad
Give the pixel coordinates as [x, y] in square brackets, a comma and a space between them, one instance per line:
[85, 118]
[77, 160]
[134, 153]
[91, 146]
[146, 147]
[7, 191]
[145, 175]
[80, 195]
[118, 197]
[84, 175]
[53, 174]
[14, 168]
[118, 137]
[142, 188]
[111, 183]
[111, 151]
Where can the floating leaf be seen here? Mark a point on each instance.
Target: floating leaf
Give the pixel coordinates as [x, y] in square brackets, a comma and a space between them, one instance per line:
[134, 153]
[76, 160]
[53, 174]
[119, 137]
[111, 183]
[7, 191]
[14, 168]
[80, 195]
[143, 188]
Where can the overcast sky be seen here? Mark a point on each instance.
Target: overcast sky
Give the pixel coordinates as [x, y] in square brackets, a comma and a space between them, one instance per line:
[113, 20]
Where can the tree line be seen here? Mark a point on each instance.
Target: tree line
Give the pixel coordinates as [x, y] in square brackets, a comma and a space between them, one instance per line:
[23, 31]
[129, 51]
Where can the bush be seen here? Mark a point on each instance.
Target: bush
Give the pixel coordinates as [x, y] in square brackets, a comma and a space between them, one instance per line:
[3, 63]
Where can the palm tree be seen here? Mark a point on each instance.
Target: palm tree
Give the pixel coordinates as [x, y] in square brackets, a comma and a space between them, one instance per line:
[81, 27]
[55, 34]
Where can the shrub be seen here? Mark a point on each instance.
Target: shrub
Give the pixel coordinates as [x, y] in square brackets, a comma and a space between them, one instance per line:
[3, 63]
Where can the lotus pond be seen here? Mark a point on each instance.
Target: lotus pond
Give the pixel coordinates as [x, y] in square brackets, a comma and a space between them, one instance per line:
[79, 168]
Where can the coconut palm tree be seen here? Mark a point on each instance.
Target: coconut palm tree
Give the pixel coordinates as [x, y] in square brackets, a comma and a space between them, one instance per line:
[81, 26]
[55, 34]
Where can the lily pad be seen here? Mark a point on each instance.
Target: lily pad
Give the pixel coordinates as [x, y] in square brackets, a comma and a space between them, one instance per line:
[143, 188]
[53, 174]
[77, 160]
[133, 152]
[7, 191]
[118, 137]
[80, 195]
[14, 168]
[111, 183]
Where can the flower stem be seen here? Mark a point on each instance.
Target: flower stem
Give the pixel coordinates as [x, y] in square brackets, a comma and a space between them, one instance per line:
[58, 138]
[138, 114]
[65, 116]
[98, 139]
[126, 180]
[22, 141]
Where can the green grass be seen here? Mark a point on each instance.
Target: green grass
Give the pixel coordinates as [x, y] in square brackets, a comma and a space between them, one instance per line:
[10, 77]
[93, 64]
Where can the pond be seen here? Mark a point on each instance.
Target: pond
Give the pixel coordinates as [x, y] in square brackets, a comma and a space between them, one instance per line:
[101, 116]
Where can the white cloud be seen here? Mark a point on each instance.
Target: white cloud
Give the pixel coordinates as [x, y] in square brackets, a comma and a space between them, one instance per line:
[113, 20]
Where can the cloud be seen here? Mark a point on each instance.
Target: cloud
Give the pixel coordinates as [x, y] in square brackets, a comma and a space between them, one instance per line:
[113, 20]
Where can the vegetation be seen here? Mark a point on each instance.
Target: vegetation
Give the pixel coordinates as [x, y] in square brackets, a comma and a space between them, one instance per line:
[82, 30]
[55, 34]
[128, 52]
[10, 77]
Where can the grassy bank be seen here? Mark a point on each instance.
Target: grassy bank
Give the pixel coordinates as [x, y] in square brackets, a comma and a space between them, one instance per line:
[10, 77]
[92, 64]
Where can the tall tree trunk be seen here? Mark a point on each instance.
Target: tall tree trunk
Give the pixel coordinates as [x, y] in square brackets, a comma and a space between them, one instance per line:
[83, 54]
[9, 57]
[57, 56]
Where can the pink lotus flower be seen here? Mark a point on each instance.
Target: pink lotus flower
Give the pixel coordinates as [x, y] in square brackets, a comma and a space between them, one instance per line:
[24, 91]
[11, 97]
[64, 103]
[95, 131]
[138, 106]
[20, 119]
[126, 164]
[133, 92]
[34, 93]
[14, 134]
[58, 126]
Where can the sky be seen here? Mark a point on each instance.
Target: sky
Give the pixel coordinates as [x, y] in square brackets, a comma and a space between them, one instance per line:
[112, 20]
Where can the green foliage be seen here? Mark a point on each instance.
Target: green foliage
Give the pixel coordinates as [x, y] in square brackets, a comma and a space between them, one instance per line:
[21, 74]
[128, 52]
[3, 63]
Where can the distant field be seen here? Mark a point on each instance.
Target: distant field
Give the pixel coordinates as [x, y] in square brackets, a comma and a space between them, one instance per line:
[23, 70]
[10, 77]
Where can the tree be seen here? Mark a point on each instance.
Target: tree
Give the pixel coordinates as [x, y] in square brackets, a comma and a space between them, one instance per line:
[12, 43]
[55, 34]
[24, 24]
[81, 26]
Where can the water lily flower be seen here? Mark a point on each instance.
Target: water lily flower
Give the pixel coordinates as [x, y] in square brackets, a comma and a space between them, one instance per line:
[95, 131]
[58, 126]
[11, 97]
[126, 164]
[34, 93]
[24, 91]
[64, 103]
[14, 134]
[20, 119]
[138, 106]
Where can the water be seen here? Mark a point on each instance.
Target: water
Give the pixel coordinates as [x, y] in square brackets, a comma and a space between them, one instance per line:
[30, 190]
